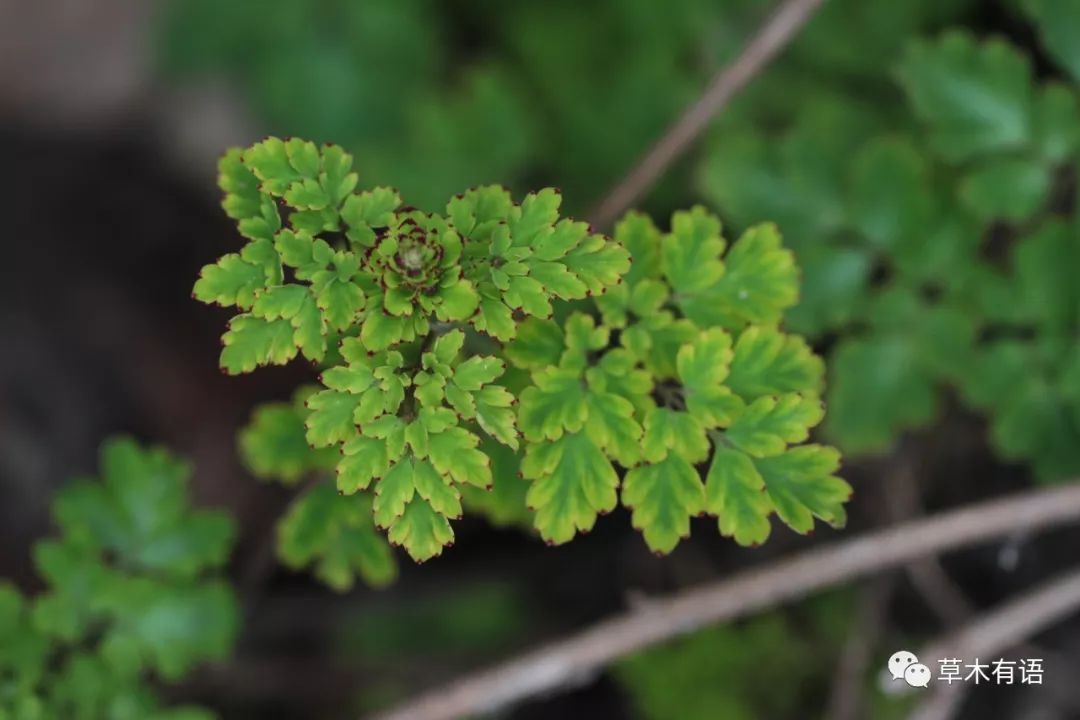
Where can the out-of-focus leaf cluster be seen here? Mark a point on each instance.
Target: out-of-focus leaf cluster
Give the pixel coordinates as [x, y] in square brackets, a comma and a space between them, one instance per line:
[771, 666]
[432, 97]
[133, 593]
[936, 227]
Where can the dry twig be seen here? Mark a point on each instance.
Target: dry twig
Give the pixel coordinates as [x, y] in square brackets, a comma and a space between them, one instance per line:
[570, 660]
[995, 632]
[942, 595]
[773, 36]
[846, 701]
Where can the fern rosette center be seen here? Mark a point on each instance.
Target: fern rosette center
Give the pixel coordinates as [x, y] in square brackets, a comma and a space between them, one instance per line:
[417, 265]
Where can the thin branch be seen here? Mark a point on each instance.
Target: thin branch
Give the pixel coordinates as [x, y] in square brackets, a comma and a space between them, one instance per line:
[996, 631]
[942, 704]
[579, 656]
[262, 561]
[1015, 621]
[770, 39]
[942, 595]
[847, 693]
[846, 700]
[949, 602]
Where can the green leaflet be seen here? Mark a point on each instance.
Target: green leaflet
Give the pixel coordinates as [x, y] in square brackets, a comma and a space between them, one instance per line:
[1029, 380]
[702, 368]
[230, 281]
[572, 482]
[252, 341]
[656, 340]
[735, 493]
[664, 497]
[556, 403]
[767, 362]
[759, 282]
[691, 252]
[274, 444]
[976, 97]
[769, 424]
[337, 535]
[611, 425]
[422, 529]
[133, 592]
[670, 432]
[801, 485]
[139, 513]
[1058, 22]
[538, 343]
[753, 283]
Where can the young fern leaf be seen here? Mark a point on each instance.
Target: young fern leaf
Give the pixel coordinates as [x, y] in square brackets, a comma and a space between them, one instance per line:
[673, 386]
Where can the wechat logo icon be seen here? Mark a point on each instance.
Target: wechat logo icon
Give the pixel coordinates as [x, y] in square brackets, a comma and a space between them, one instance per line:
[904, 665]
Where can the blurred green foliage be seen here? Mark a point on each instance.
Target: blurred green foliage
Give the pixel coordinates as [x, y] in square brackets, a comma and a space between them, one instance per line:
[433, 96]
[133, 592]
[471, 621]
[777, 665]
[396, 639]
[756, 669]
[933, 229]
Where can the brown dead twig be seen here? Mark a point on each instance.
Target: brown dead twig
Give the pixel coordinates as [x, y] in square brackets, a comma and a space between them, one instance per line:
[580, 656]
[774, 35]
[846, 701]
[996, 631]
